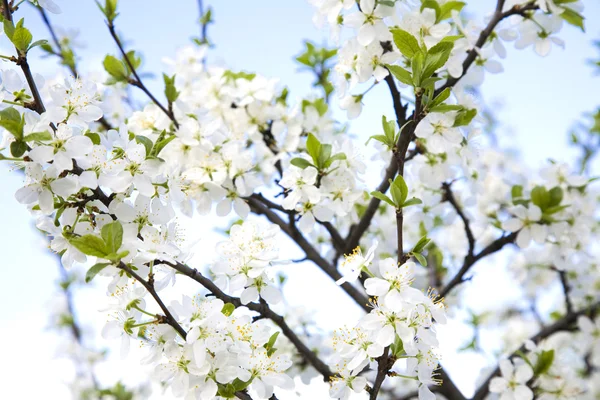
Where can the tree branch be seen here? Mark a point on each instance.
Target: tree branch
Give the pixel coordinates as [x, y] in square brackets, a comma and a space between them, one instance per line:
[137, 81]
[168, 317]
[449, 197]
[311, 253]
[264, 310]
[38, 104]
[493, 247]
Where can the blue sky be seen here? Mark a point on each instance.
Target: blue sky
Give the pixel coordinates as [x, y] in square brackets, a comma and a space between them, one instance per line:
[541, 97]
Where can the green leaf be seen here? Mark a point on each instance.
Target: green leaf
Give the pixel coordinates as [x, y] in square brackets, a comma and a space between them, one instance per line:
[116, 256]
[112, 234]
[270, 345]
[381, 138]
[94, 137]
[540, 197]
[516, 192]
[335, 157]
[382, 197]
[447, 8]
[401, 74]
[444, 108]
[399, 190]
[12, 121]
[406, 43]
[228, 309]
[424, 241]
[240, 385]
[397, 348]
[90, 245]
[171, 92]
[324, 154]
[115, 68]
[440, 98]
[93, 271]
[9, 28]
[465, 117]
[18, 148]
[556, 196]
[41, 42]
[417, 68]
[109, 10]
[436, 58]
[160, 144]
[38, 136]
[412, 202]
[301, 163]
[313, 147]
[146, 142]
[420, 258]
[433, 5]
[544, 362]
[573, 18]
[22, 38]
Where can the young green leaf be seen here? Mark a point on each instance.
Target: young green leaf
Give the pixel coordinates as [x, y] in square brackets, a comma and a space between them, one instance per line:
[115, 68]
[411, 202]
[112, 234]
[401, 74]
[22, 38]
[421, 244]
[18, 148]
[90, 245]
[399, 190]
[227, 309]
[94, 270]
[420, 258]
[382, 197]
[313, 147]
[37, 136]
[406, 43]
[300, 163]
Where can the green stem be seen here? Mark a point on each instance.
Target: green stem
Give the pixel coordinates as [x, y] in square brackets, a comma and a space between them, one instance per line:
[144, 311]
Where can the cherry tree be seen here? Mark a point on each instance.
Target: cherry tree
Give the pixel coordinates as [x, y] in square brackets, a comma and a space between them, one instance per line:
[399, 233]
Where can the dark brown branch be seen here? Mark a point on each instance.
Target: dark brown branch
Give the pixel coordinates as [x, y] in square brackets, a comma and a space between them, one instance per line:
[566, 289]
[563, 324]
[38, 104]
[384, 363]
[449, 197]
[311, 253]
[336, 238]
[264, 310]
[168, 317]
[493, 247]
[137, 81]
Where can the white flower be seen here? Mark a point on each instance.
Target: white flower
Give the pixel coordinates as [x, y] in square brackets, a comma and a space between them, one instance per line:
[354, 263]
[394, 286]
[439, 131]
[513, 383]
[526, 222]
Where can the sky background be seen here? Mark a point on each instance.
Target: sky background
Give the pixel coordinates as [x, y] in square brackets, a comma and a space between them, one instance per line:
[536, 101]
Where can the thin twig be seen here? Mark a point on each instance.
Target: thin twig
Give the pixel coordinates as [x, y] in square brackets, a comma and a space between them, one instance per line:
[493, 247]
[264, 310]
[137, 81]
[168, 317]
[449, 197]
